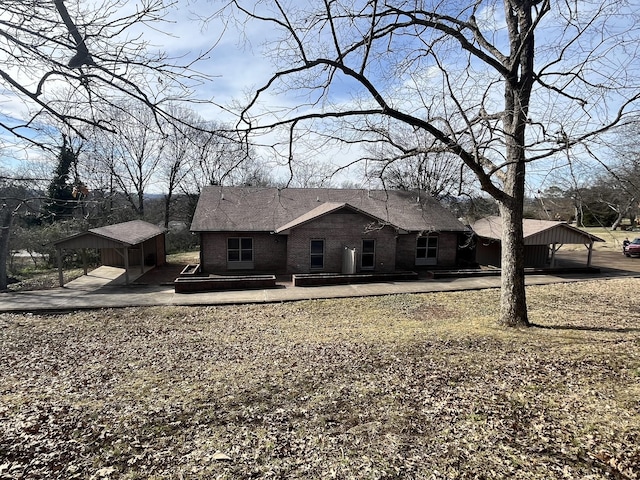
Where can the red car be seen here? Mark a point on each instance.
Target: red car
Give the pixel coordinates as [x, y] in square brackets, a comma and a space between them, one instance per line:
[632, 249]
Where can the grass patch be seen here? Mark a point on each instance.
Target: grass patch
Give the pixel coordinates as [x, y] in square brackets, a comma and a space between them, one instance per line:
[612, 239]
[191, 257]
[405, 387]
[41, 278]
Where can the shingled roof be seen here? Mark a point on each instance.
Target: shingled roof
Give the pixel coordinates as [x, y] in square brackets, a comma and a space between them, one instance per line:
[126, 234]
[249, 209]
[132, 233]
[535, 232]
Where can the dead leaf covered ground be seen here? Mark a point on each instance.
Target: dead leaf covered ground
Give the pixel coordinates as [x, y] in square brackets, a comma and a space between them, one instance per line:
[405, 387]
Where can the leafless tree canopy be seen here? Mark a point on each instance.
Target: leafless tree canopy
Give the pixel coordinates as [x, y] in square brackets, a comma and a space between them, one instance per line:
[63, 61]
[408, 159]
[497, 84]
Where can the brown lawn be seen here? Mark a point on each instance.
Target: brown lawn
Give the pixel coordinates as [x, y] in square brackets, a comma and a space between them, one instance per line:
[404, 387]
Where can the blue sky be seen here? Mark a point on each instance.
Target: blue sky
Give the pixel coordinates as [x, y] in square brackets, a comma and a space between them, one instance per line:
[237, 67]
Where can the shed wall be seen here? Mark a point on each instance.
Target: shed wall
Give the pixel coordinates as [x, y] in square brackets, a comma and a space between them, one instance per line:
[153, 248]
[88, 240]
[489, 253]
[559, 234]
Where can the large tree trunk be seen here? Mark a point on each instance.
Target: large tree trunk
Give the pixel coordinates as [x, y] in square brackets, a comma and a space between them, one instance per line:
[518, 85]
[513, 300]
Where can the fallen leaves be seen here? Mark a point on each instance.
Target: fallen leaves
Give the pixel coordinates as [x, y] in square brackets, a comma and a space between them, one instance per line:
[410, 386]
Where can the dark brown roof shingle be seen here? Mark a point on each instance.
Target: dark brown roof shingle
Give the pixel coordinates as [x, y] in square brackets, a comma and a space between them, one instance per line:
[491, 228]
[132, 233]
[270, 209]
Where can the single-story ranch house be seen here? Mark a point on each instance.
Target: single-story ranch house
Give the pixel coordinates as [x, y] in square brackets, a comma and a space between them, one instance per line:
[291, 230]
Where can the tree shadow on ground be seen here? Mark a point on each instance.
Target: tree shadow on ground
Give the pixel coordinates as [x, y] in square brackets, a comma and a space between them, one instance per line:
[588, 329]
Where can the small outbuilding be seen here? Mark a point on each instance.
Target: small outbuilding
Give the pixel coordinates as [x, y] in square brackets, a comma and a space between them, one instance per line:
[542, 240]
[121, 245]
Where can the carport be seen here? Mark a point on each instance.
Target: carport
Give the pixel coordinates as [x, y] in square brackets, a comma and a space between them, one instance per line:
[542, 240]
[121, 245]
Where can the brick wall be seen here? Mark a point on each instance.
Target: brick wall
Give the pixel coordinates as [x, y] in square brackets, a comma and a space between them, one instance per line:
[269, 251]
[447, 251]
[340, 230]
[291, 254]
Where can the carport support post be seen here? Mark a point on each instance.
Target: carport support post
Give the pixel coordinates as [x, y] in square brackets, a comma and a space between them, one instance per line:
[59, 258]
[553, 255]
[142, 258]
[126, 265]
[590, 247]
[84, 260]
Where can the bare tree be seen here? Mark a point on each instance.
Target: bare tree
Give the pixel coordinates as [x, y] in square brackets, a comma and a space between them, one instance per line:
[398, 164]
[66, 59]
[132, 154]
[220, 158]
[13, 198]
[622, 181]
[180, 147]
[497, 84]
[63, 62]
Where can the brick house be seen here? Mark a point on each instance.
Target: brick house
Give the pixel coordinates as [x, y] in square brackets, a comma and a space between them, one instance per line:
[271, 230]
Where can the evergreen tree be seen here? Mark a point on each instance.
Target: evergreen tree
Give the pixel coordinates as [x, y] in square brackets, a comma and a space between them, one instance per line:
[60, 192]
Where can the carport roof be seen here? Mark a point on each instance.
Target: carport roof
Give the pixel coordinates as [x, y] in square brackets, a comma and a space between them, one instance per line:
[536, 232]
[124, 234]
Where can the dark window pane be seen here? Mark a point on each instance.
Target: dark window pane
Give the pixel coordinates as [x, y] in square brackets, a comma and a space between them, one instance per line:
[317, 261]
[422, 242]
[432, 247]
[234, 256]
[367, 261]
[317, 246]
[233, 243]
[247, 255]
[368, 246]
[247, 243]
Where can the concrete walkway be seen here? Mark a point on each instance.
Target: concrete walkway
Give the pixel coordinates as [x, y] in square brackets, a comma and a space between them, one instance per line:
[104, 288]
